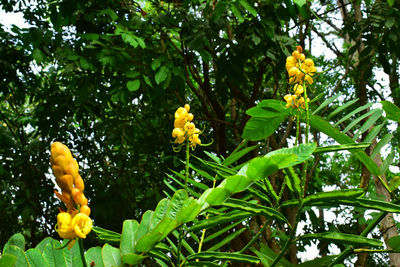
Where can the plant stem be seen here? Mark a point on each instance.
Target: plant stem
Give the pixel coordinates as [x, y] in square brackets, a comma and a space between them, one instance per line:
[307, 111]
[187, 165]
[178, 260]
[82, 251]
[255, 237]
[297, 128]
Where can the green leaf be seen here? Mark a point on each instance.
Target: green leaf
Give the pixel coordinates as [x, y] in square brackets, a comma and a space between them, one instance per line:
[259, 168]
[340, 108]
[107, 235]
[228, 217]
[38, 55]
[93, 254]
[111, 256]
[21, 259]
[132, 74]
[348, 194]
[217, 196]
[325, 149]
[329, 100]
[177, 202]
[133, 85]
[161, 74]
[35, 258]
[248, 7]
[267, 256]
[283, 156]
[293, 181]
[127, 246]
[392, 111]
[300, 3]
[259, 128]
[394, 243]
[391, 2]
[357, 110]
[189, 211]
[373, 133]
[384, 141]
[156, 63]
[15, 240]
[343, 238]
[323, 261]
[370, 121]
[226, 240]
[359, 119]
[394, 183]
[224, 256]
[237, 13]
[7, 260]
[222, 231]
[237, 183]
[254, 209]
[236, 156]
[386, 163]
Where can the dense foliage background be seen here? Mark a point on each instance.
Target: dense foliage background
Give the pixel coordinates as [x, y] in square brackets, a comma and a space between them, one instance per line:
[105, 78]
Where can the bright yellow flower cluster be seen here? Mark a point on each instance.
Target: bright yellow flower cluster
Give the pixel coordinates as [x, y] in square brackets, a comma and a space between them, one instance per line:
[75, 222]
[300, 71]
[184, 128]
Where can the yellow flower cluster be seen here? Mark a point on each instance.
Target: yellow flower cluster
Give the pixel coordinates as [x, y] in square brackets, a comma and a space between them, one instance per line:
[184, 128]
[75, 222]
[300, 71]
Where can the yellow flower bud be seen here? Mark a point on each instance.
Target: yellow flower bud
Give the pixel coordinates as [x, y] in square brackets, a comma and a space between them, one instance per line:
[308, 79]
[64, 228]
[178, 132]
[180, 112]
[190, 117]
[298, 89]
[85, 210]
[309, 62]
[187, 107]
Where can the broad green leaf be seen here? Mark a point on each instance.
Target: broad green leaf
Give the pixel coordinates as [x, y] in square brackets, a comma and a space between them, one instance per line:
[394, 243]
[359, 109]
[107, 235]
[35, 258]
[217, 196]
[189, 211]
[226, 240]
[132, 74]
[386, 163]
[177, 202]
[144, 226]
[16, 240]
[370, 121]
[236, 156]
[184, 243]
[391, 2]
[300, 3]
[229, 217]
[340, 108]
[156, 63]
[283, 156]
[127, 245]
[322, 125]
[237, 13]
[392, 111]
[324, 149]
[7, 260]
[248, 7]
[133, 85]
[254, 209]
[16, 251]
[259, 128]
[42, 244]
[259, 168]
[384, 141]
[160, 212]
[93, 254]
[237, 183]
[343, 238]
[394, 183]
[326, 102]
[224, 256]
[111, 256]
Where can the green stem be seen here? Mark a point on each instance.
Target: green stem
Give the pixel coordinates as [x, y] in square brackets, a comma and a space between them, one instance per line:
[187, 165]
[82, 251]
[181, 232]
[297, 127]
[307, 111]
[255, 237]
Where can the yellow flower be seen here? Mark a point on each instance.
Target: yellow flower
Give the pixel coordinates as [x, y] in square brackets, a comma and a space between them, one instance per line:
[64, 228]
[298, 89]
[195, 140]
[82, 225]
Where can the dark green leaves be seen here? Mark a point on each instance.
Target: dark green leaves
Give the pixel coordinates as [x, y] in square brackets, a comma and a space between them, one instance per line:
[133, 85]
[392, 111]
[343, 238]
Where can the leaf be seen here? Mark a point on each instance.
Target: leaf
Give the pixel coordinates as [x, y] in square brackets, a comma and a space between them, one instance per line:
[386, 163]
[228, 217]
[259, 128]
[384, 141]
[236, 156]
[189, 211]
[340, 108]
[217, 196]
[111, 256]
[359, 109]
[222, 231]
[38, 55]
[7, 260]
[391, 2]
[248, 7]
[323, 261]
[373, 133]
[133, 85]
[162, 74]
[394, 243]
[107, 235]
[127, 245]
[359, 119]
[394, 183]
[35, 258]
[392, 111]
[302, 153]
[21, 259]
[329, 100]
[293, 181]
[226, 240]
[267, 256]
[325, 149]
[132, 74]
[300, 3]
[370, 121]
[224, 256]
[237, 183]
[156, 63]
[237, 13]
[93, 254]
[254, 209]
[15, 240]
[343, 238]
[259, 168]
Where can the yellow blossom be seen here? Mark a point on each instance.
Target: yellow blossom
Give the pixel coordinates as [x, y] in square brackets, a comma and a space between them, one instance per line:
[82, 225]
